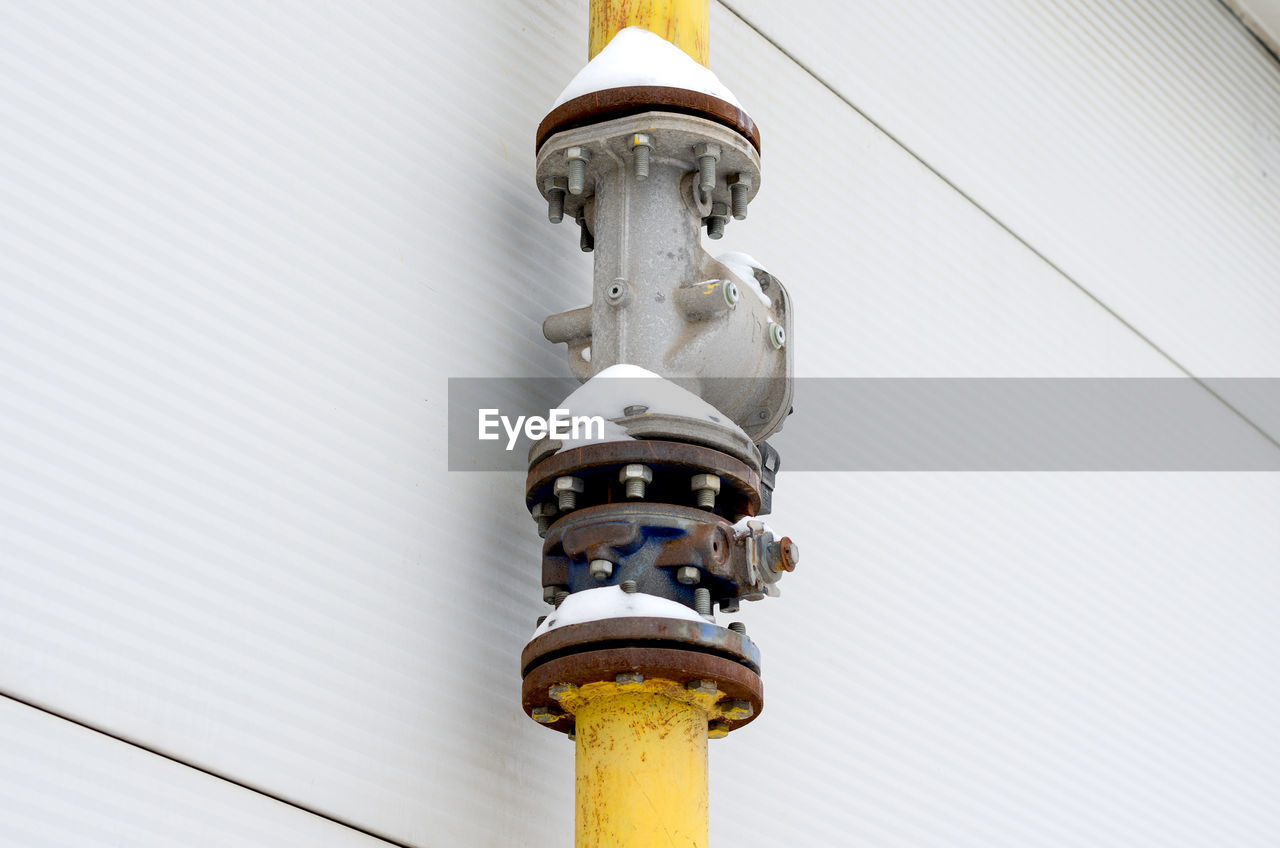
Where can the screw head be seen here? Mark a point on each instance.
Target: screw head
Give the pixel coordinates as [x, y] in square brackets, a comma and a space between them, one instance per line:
[635, 472]
[641, 140]
[577, 153]
[731, 292]
[567, 484]
[777, 335]
[688, 575]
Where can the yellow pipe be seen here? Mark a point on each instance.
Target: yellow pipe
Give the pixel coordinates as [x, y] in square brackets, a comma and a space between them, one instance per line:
[641, 769]
[685, 23]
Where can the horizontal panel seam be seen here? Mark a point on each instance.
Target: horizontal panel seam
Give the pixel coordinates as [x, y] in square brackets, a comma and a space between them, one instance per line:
[222, 777]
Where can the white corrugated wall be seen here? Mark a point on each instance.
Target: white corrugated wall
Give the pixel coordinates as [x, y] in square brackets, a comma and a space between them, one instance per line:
[243, 246]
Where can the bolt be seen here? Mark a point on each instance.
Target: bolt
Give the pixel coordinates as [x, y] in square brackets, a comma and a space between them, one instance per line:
[717, 729]
[572, 736]
[708, 156]
[736, 710]
[640, 143]
[716, 220]
[577, 157]
[739, 188]
[731, 294]
[559, 690]
[616, 292]
[630, 680]
[561, 594]
[601, 569]
[586, 241]
[777, 335]
[787, 554]
[543, 513]
[549, 594]
[635, 477]
[736, 626]
[546, 715]
[702, 601]
[705, 488]
[629, 586]
[702, 687]
[729, 605]
[541, 619]
[688, 574]
[567, 489]
[555, 188]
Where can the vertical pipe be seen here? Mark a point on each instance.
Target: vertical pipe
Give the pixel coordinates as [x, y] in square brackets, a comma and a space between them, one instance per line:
[641, 769]
[685, 23]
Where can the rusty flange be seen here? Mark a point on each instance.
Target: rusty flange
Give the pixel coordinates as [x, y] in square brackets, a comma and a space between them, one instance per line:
[637, 631]
[612, 103]
[735, 681]
[673, 464]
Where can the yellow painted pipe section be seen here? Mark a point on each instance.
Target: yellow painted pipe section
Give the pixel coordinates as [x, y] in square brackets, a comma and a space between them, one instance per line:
[685, 23]
[641, 771]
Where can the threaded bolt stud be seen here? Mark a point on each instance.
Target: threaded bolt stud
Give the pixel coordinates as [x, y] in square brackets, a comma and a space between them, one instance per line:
[560, 596]
[640, 156]
[541, 619]
[705, 488]
[629, 586]
[586, 241]
[566, 490]
[601, 570]
[717, 220]
[577, 157]
[729, 605]
[739, 188]
[635, 477]
[708, 157]
[737, 626]
[702, 601]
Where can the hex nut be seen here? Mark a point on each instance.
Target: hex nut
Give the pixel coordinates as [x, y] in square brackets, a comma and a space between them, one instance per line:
[717, 729]
[566, 490]
[706, 481]
[703, 687]
[559, 690]
[735, 710]
[630, 680]
[688, 575]
[546, 715]
[601, 569]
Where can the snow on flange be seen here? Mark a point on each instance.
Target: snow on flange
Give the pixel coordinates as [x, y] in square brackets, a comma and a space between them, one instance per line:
[744, 267]
[612, 602]
[636, 56]
[609, 393]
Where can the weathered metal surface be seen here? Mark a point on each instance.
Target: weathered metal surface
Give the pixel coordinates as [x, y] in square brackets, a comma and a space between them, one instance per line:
[640, 770]
[685, 23]
[634, 99]
[674, 463]
[734, 680]
[666, 549]
[641, 632]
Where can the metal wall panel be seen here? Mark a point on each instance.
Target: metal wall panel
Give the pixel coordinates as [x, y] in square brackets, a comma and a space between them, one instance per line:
[242, 248]
[1135, 145]
[62, 784]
